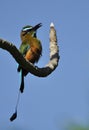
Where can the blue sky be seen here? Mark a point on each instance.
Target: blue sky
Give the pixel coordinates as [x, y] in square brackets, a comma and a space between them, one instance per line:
[47, 103]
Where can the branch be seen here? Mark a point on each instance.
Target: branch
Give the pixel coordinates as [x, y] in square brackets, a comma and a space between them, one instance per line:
[40, 72]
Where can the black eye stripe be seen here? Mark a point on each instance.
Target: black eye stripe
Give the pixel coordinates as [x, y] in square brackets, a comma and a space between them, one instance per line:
[24, 33]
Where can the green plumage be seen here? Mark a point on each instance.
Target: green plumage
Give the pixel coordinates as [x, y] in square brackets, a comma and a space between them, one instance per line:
[24, 48]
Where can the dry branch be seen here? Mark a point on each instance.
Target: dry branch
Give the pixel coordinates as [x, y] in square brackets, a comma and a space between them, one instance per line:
[40, 72]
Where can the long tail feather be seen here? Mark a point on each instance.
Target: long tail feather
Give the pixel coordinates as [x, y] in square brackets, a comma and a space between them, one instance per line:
[19, 68]
[14, 116]
[22, 82]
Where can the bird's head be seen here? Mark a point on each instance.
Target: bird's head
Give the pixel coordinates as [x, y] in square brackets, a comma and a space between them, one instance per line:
[28, 31]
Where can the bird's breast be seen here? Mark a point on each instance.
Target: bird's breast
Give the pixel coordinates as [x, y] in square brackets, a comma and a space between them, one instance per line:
[33, 54]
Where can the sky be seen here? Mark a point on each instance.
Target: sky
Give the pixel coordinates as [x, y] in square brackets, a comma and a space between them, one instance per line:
[49, 103]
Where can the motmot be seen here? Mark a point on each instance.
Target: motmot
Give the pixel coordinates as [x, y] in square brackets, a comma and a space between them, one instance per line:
[30, 48]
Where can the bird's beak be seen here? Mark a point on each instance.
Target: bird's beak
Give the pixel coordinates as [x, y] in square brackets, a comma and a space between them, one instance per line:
[37, 26]
[33, 28]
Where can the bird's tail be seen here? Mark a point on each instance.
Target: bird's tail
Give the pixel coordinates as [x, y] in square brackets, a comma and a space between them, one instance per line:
[13, 117]
[22, 81]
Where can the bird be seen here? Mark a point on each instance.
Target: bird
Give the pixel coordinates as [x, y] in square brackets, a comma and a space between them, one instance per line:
[30, 48]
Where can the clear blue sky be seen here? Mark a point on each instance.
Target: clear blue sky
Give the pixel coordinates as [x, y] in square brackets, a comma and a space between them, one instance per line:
[47, 103]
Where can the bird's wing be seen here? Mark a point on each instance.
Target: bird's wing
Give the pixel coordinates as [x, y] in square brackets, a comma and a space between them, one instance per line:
[24, 48]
